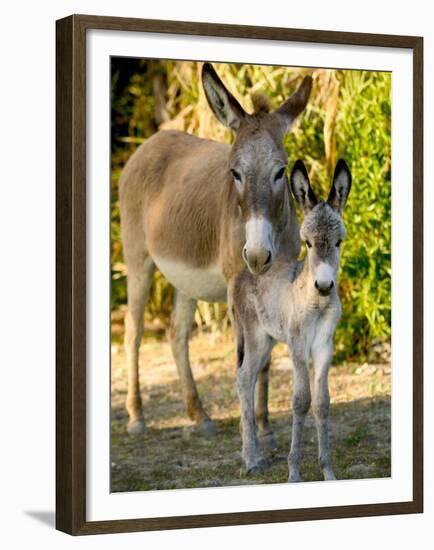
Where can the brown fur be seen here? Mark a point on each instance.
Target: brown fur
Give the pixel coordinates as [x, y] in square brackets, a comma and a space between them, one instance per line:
[261, 103]
[180, 205]
[155, 191]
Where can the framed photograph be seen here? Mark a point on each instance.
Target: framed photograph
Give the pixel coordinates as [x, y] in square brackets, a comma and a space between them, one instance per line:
[239, 275]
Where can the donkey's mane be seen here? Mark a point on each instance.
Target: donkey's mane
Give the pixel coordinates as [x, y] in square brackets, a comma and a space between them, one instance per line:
[261, 103]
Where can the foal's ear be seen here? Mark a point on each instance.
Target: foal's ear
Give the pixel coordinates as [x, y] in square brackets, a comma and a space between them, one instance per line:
[301, 188]
[341, 186]
[225, 107]
[295, 104]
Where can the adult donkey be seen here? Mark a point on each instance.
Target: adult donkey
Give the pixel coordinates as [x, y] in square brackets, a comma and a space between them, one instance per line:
[194, 209]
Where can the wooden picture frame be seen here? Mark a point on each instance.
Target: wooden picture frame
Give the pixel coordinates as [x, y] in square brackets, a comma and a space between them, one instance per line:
[71, 273]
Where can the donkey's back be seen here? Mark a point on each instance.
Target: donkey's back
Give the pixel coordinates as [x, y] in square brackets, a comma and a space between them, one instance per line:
[172, 195]
[167, 157]
[176, 163]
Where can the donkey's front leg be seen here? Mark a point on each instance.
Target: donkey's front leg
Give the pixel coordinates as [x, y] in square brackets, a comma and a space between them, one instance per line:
[322, 356]
[300, 406]
[247, 373]
[179, 333]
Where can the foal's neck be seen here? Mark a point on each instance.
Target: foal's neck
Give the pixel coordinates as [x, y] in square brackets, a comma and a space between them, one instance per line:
[289, 288]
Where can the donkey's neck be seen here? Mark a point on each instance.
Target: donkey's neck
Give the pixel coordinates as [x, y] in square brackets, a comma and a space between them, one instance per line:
[286, 297]
[288, 235]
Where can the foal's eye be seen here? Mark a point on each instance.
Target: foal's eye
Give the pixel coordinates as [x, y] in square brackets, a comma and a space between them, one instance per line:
[279, 175]
[308, 244]
[236, 175]
[338, 244]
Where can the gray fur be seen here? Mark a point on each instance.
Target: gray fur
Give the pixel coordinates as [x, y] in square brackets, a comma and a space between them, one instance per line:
[286, 304]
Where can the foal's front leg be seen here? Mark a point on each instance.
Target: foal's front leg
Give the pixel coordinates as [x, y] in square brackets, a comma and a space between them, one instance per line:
[300, 407]
[255, 349]
[322, 354]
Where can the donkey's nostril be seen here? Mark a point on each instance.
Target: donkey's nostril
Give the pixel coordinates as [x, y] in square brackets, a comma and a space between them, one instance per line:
[324, 287]
[245, 254]
[268, 260]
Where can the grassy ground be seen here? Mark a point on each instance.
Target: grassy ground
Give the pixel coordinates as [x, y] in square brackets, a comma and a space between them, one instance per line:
[172, 455]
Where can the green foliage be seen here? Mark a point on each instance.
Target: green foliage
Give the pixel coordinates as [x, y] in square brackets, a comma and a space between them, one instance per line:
[356, 436]
[348, 115]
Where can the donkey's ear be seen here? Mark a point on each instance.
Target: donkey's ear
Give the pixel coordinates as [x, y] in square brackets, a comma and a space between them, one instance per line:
[301, 188]
[295, 104]
[225, 107]
[341, 186]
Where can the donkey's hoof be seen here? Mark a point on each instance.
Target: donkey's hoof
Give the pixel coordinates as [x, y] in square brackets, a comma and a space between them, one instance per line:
[256, 469]
[136, 427]
[207, 428]
[268, 441]
[294, 478]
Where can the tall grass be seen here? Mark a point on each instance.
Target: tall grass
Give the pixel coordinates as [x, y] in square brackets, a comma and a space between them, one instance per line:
[348, 115]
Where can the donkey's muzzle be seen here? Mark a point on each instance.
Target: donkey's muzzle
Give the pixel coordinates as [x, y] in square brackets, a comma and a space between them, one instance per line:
[324, 287]
[257, 260]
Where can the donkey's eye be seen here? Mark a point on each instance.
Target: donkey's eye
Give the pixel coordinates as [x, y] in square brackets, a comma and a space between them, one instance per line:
[308, 244]
[279, 175]
[338, 244]
[236, 175]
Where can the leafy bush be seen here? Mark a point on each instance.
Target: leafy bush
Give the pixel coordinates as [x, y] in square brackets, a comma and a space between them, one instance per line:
[348, 115]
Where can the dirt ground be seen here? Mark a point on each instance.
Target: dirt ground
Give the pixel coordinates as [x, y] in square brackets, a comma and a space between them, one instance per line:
[173, 455]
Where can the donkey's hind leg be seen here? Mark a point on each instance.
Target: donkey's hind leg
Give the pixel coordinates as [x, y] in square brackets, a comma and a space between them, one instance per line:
[180, 328]
[265, 433]
[139, 285]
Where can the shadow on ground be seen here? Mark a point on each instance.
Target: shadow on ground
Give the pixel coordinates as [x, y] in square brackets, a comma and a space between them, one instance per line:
[172, 454]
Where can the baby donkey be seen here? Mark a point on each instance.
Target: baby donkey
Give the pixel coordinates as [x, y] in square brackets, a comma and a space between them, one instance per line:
[295, 302]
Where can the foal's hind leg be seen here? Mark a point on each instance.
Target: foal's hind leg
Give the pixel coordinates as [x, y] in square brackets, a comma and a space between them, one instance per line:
[265, 433]
[139, 284]
[180, 328]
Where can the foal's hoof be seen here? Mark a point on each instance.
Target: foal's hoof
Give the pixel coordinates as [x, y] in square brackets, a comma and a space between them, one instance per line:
[136, 427]
[207, 428]
[256, 469]
[268, 441]
[294, 478]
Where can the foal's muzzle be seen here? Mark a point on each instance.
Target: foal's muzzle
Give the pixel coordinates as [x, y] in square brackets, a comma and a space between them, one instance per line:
[324, 287]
